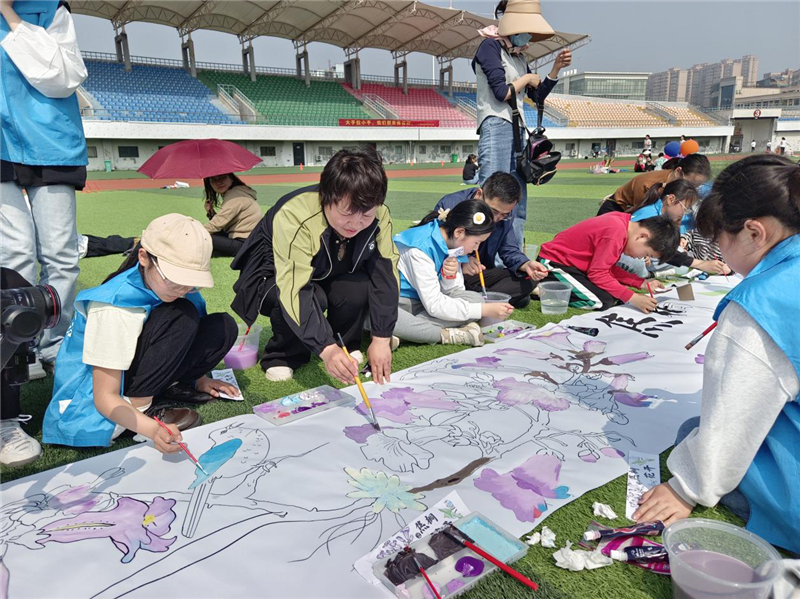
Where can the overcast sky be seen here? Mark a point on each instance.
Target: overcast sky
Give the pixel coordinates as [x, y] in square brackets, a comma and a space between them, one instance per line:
[647, 35]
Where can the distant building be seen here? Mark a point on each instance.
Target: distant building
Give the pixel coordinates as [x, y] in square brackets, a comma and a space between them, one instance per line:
[782, 79]
[603, 84]
[700, 84]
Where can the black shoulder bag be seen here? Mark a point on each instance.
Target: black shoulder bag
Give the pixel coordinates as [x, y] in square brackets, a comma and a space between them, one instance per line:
[537, 162]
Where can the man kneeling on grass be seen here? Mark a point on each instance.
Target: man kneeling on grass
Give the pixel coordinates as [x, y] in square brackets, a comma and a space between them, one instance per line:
[502, 193]
[326, 247]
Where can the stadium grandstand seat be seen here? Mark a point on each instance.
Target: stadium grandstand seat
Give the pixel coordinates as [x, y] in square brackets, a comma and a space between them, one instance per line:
[284, 100]
[419, 104]
[592, 113]
[530, 111]
[151, 93]
[687, 117]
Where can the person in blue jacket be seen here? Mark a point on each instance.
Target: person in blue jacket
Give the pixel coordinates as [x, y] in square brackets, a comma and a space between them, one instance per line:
[42, 150]
[141, 338]
[744, 450]
[518, 278]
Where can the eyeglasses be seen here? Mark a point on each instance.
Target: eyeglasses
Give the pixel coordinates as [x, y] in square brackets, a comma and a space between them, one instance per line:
[500, 215]
[174, 286]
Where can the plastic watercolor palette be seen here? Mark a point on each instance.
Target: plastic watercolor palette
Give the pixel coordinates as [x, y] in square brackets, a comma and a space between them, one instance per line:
[299, 405]
[462, 570]
[505, 329]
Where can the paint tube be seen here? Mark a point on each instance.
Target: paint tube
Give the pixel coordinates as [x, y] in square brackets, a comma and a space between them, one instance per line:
[644, 553]
[648, 529]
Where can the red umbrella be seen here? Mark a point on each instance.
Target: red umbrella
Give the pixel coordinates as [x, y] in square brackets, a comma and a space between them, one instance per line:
[198, 159]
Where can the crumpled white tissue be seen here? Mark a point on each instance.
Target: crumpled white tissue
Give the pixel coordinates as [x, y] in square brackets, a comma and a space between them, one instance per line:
[534, 539]
[604, 510]
[575, 561]
[548, 538]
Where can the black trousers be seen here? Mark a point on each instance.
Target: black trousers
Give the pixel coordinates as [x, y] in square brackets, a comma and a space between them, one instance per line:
[114, 244]
[347, 304]
[576, 276]
[609, 206]
[177, 345]
[503, 280]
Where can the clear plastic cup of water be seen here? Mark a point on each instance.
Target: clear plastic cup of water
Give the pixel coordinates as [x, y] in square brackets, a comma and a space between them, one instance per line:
[554, 297]
[531, 251]
[711, 560]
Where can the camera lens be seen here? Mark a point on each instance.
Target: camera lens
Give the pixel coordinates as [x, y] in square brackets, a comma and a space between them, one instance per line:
[43, 299]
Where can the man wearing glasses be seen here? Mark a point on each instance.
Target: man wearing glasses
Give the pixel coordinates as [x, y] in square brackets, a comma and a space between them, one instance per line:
[519, 274]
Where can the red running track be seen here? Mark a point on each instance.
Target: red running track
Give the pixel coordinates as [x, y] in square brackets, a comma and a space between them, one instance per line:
[300, 177]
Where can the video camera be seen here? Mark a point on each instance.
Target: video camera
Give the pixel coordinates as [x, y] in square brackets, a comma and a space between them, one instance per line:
[26, 312]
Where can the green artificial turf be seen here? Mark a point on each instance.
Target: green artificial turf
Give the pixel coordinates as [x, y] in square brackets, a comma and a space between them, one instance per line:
[570, 197]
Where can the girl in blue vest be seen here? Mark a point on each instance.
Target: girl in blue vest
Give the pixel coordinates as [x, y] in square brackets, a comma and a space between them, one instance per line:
[744, 450]
[141, 338]
[675, 201]
[434, 306]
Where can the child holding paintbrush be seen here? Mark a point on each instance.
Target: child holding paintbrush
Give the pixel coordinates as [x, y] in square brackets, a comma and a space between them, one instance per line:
[744, 450]
[434, 305]
[141, 339]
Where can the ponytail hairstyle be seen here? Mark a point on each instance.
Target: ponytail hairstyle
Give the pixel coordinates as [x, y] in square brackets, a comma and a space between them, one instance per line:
[212, 196]
[474, 216]
[500, 9]
[131, 261]
[682, 189]
[754, 187]
[693, 164]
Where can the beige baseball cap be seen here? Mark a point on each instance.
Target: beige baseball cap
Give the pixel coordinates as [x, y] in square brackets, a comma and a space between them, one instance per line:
[525, 16]
[183, 248]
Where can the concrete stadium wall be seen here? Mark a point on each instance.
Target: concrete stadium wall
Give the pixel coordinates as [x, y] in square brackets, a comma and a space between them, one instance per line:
[116, 142]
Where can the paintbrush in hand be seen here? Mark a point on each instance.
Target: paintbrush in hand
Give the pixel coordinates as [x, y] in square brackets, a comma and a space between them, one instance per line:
[374, 421]
[480, 274]
[182, 446]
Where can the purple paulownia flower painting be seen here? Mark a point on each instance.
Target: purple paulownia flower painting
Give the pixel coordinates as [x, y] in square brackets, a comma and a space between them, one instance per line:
[514, 392]
[131, 525]
[526, 489]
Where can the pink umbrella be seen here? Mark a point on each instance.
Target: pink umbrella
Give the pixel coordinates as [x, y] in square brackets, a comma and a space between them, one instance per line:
[198, 159]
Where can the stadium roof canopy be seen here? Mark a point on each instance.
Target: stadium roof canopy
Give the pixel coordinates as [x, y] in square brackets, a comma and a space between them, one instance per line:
[399, 26]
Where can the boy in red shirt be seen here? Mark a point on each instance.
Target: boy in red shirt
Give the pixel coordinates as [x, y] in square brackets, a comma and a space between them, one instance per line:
[586, 255]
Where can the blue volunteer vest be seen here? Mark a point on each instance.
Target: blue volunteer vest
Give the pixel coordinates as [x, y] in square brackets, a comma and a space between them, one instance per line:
[71, 417]
[772, 482]
[37, 130]
[429, 240]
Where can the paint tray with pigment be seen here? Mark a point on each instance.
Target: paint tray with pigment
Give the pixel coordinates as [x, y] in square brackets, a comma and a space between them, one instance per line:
[505, 330]
[452, 569]
[299, 405]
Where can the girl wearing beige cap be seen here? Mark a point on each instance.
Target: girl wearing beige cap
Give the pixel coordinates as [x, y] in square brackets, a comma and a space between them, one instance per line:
[499, 63]
[141, 339]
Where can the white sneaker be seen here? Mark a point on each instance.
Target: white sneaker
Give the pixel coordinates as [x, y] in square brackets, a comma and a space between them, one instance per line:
[36, 370]
[394, 343]
[17, 448]
[278, 374]
[470, 334]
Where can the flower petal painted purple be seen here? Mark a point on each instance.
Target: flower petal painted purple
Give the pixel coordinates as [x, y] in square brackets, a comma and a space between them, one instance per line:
[75, 500]
[525, 489]
[392, 448]
[588, 456]
[632, 399]
[700, 359]
[514, 392]
[394, 409]
[612, 453]
[628, 358]
[594, 347]
[421, 399]
[131, 525]
[525, 353]
[359, 434]
[557, 337]
[620, 382]
[482, 362]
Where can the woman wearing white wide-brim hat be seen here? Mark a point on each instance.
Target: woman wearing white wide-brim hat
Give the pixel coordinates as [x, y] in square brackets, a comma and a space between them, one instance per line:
[500, 61]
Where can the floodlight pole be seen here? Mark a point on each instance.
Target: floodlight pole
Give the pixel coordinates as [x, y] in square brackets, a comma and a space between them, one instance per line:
[249, 60]
[301, 62]
[121, 43]
[187, 53]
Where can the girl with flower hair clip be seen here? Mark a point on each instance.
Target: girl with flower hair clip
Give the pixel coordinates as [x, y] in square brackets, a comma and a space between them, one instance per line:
[434, 306]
